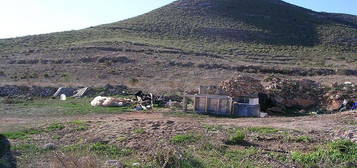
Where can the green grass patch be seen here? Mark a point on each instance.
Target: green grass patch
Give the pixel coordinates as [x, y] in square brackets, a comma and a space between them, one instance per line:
[237, 138]
[55, 127]
[340, 153]
[22, 134]
[184, 138]
[213, 127]
[139, 131]
[27, 149]
[77, 122]
[69, 107]
[109, 150]
[81, 128]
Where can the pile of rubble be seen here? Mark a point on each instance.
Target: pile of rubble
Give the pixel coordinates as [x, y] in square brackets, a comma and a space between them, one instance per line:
[284, 93]
[335, 97]
[242, 86]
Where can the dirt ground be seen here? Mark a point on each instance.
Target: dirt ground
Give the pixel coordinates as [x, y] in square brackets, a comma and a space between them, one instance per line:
[148, 133]
[305, 123]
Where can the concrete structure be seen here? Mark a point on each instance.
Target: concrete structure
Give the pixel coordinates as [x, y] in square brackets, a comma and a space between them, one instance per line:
[222, 105]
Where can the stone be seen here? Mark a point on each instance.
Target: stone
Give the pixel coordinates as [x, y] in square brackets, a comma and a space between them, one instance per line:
[136, 164]
[114, 164]
[49, 146]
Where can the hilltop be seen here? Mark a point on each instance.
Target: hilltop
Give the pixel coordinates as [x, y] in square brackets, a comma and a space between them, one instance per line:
[186, 36]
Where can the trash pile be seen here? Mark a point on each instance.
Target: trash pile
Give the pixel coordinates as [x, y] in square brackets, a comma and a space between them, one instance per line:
[284, 93]
[242, 86]
[110, 102]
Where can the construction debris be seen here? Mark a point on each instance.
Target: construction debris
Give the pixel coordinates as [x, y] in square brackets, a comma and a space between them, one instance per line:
[285, 93]
[80, 92]
[145, 101]
[338, 94]
[63, 97]
[66, 91]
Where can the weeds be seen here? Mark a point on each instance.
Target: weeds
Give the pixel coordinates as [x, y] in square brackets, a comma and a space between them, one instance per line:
[71, 160]
[184, 138]
[55, 127]
[139, 131]
[27, 149]
[109, 150]
[22, 134]
[236, 138]
[340, 153]
[173, 158]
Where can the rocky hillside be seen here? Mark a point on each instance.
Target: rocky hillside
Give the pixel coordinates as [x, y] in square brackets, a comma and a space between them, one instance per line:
[189, 36]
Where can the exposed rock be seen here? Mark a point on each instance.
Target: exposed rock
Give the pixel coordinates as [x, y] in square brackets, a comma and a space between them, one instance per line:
[114, 164]
[49, 146]
[42, 91]
[10, 91]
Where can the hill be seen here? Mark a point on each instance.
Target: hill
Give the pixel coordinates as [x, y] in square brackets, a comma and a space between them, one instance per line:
[190, 34]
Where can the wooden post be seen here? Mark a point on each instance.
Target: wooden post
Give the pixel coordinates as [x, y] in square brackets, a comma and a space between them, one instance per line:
[184, 103]
[194, 103]
[231, 106]
[219, 106]
[206, 105]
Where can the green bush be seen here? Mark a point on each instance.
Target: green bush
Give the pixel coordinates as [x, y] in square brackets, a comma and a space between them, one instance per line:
[237, 137]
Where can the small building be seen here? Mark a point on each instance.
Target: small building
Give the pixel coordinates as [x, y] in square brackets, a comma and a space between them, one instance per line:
[212, 101]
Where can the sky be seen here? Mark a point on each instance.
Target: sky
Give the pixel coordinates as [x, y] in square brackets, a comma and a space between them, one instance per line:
[29, 17]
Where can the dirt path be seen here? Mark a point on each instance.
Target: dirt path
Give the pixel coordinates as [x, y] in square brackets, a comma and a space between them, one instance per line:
[307, 123]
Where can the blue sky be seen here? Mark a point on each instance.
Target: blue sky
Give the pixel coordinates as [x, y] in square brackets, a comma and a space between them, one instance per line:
[27, 17]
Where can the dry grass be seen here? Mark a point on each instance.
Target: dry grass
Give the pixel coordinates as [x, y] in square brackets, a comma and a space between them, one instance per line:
[72, 160]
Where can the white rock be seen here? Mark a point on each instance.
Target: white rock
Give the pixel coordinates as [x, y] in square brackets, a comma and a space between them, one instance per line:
[114, 164]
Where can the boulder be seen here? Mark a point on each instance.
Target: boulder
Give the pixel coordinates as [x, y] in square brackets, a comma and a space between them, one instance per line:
[49, 146]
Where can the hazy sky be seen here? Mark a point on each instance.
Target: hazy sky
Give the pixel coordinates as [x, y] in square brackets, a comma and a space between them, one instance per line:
[27, 17]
